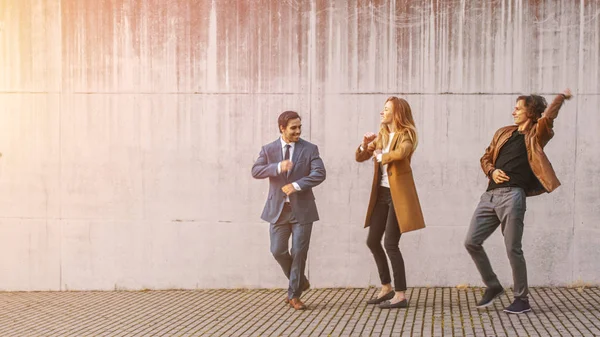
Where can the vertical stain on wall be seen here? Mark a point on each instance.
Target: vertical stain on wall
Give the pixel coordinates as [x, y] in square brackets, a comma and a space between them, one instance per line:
[291, 46]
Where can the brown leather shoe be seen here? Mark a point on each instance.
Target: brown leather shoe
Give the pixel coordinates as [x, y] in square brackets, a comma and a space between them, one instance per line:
[297, 304]
[306, 287]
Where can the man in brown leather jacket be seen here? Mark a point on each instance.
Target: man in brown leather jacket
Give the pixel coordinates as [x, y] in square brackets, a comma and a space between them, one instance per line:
[517, 167]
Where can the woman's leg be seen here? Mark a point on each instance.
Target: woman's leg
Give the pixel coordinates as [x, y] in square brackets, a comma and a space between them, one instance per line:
[392, 248]
[376, 229]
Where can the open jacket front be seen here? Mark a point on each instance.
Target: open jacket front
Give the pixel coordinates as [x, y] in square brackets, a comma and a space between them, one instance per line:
[402, 185]
[536, 139]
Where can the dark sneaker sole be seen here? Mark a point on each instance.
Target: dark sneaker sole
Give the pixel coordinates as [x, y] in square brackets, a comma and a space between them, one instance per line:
[485, 305]
[517, 312]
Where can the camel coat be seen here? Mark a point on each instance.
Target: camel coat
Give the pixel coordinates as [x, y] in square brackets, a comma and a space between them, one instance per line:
[402, 185]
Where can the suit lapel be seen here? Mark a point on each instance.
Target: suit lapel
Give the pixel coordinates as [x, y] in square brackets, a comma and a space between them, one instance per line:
[297, 150]
[278, 153]
[297, 153]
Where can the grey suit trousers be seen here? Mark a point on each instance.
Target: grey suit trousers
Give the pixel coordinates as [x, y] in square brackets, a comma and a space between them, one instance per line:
[504, 206]
[293, 263]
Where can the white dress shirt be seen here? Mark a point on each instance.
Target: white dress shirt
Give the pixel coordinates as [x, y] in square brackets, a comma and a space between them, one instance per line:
[292, 146]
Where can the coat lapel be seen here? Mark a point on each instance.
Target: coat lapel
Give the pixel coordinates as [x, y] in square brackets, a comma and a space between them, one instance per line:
[394, 141]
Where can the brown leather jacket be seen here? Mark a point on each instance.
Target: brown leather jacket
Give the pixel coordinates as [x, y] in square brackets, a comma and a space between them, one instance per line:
[536, 138]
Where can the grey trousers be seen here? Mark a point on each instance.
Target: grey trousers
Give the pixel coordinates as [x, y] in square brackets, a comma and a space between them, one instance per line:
[292, 263]
[506, 207]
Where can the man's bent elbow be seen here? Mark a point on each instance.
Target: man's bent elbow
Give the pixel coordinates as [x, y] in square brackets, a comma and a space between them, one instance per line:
[255, 171]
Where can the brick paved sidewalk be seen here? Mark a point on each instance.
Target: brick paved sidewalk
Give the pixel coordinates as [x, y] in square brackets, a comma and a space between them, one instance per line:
[332, 312]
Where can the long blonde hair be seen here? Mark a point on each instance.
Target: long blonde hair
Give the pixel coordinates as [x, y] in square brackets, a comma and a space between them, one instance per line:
[403, 122]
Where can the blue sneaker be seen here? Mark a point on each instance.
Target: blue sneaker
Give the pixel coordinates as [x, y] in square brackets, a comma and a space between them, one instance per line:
[489, 296]
[519, 306]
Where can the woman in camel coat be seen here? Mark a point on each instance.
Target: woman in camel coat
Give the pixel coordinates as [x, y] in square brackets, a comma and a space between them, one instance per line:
[394, 206]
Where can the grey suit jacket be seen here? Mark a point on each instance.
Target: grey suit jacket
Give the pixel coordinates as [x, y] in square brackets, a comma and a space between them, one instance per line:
[308, 171]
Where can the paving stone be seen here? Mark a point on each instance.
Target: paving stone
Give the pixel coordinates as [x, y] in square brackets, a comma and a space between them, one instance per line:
[262, 312]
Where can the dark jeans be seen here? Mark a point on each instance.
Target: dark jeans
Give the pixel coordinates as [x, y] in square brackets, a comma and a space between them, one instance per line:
[501, 206]
[294, 263]
[383, 220]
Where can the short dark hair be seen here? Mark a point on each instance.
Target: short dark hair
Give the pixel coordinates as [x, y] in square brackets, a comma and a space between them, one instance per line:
[285, 118]
[534, 106]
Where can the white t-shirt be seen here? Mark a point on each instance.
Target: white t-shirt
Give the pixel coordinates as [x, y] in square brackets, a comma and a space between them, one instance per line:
[384, 176]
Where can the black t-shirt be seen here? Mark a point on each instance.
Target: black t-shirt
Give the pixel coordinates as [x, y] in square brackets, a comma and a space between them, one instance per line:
[512, 159]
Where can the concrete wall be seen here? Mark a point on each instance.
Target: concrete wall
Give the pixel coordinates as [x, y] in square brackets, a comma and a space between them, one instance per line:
[128, 129]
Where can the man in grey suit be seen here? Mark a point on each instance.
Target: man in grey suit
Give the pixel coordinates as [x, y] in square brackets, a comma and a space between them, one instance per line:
[293, 167]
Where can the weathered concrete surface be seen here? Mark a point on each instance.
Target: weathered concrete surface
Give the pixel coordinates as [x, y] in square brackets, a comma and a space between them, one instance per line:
[129, 129]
